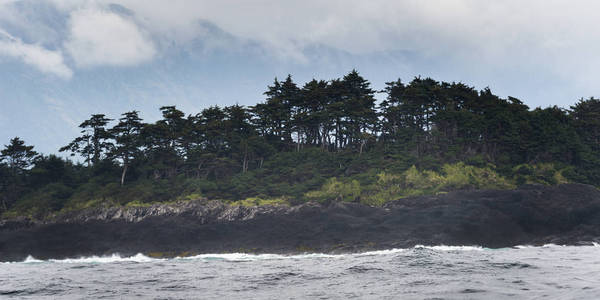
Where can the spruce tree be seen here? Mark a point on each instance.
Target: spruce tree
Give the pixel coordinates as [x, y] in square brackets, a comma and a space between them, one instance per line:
[94, 142]
[127, 140]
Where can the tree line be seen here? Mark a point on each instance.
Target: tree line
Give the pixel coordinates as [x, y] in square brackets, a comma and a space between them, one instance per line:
[426, 121]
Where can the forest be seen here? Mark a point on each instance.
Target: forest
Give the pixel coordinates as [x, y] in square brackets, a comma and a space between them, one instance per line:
[324, 140]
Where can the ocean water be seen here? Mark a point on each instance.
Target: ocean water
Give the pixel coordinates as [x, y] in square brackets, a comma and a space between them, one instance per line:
[439, 272]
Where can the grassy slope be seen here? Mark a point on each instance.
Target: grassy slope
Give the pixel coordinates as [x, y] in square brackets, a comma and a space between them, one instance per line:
[289, 178]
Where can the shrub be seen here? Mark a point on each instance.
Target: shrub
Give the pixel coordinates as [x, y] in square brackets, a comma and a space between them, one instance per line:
[461, 176]
[256, 201]
[542, 173]
[337, 190]
[414, 182]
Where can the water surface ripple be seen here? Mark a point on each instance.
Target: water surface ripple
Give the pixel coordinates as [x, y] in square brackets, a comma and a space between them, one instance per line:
[441, 272]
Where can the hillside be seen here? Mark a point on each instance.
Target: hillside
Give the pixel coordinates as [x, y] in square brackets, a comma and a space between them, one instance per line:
[532, 215]
[324, 141]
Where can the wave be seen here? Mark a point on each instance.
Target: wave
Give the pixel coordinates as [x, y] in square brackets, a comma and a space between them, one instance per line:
[246, 257]
[536, 247]
[89, 259]
[451, 248]
[592, 244]
[381, 252]
[254, 257]
[141, 258]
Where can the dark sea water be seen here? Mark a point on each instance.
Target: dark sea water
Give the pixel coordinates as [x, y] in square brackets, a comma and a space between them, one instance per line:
[441, 272]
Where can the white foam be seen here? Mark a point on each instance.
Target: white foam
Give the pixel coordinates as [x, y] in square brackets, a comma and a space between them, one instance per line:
[552, 246]
[523, 247]
[241, 257]
[90, 259]
[535, 247]
[105, 259]
[254, 257]
[382, 252]
[450, 248]
[31, 260]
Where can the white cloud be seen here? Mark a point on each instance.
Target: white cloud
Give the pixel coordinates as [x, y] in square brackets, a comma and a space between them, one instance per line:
[471, 36]
[491, 32]
[45, 60]
[487, 30]
[98, 37]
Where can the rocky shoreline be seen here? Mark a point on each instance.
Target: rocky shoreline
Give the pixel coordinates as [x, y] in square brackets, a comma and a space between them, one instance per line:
[533, 215]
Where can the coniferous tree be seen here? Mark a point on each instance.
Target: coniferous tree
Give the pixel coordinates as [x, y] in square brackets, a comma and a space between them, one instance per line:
[127, 140]
[311, 117]
[6, 178]
[239, 131]
[15, 159]
[163, 142]
[269, 115]
[392, 123]
[274, 117]
[360, 117]
[94, 140]
[17, 155]
[586, 118]
[425, 123]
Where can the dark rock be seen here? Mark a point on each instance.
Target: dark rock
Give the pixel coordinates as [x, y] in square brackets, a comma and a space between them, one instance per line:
[564, 214]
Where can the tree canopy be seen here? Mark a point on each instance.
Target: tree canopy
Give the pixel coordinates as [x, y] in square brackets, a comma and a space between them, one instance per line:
[301, 136]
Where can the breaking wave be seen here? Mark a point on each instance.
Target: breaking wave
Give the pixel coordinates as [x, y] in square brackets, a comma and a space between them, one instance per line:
[244, 257]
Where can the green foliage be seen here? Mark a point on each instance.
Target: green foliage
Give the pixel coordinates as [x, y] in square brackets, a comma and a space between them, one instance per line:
[323, 141]
[542, 173]
[40, 203]
[412, 182]
[336, 190]
[17, 155]
[256, 201]
[461, 176]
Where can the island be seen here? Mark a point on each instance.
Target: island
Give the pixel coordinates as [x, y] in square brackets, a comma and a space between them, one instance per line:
[322, 167]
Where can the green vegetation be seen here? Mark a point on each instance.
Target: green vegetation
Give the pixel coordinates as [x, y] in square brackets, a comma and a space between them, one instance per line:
[412, 182]
[323, 141]
[255, 201]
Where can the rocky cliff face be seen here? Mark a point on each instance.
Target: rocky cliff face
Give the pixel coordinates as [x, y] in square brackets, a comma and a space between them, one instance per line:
[565, 214]
[203, 210]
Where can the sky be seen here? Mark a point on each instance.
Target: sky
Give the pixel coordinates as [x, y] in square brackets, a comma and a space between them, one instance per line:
[63, 60]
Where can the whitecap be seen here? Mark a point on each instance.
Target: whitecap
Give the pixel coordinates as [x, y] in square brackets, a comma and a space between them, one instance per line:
[523, 246]
[90, 259]
[536, 247]
[240, 257]
[382, 252]
[30, 259]
[105, 259]
[450, 248]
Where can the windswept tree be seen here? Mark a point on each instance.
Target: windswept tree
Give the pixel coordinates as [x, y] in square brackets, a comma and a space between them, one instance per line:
[274, 117]
[239, 131]
[163, 142]
[586, 118]
[359, 109]
[15, 159]
[94, 141]
[173, 124]
[5, 181]
[127, 140]
[392, 117]
[209, 126]
[17, 155]
[312, 118]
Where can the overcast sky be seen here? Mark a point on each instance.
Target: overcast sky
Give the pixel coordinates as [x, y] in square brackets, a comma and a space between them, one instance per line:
[61, 60]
